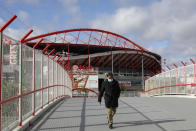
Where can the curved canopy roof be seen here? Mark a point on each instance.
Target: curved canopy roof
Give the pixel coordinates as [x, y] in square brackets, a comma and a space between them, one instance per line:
[87, 41]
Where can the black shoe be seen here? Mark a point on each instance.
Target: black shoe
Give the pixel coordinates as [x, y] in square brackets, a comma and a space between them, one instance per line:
[110, 126]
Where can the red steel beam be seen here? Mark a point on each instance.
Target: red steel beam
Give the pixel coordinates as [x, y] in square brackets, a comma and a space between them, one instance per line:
[168, 67]
[51, 52]
[8, 23]
[192, 61]
[57, 54]
[58, 59]
[26, 35]
[45, 48]
[175, 65]
[37, 43]
[183, 63]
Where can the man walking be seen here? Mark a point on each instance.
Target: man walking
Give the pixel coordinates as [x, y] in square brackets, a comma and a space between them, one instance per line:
[111, 90]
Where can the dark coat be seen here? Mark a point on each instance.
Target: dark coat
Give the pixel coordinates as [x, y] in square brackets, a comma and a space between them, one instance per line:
[111, 91]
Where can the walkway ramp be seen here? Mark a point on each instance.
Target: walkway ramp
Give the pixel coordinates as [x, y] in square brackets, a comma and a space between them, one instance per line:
[133, 114]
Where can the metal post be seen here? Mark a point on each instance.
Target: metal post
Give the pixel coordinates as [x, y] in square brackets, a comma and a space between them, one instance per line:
[57, 80]
[42, 81]
[1, 44]
[185, 78]
[142, 73]
[159, 85]
[33, 84]
[176, 80]
[62, 82]
[20, 87]
[48, 81]
[53, 80]
[170, 82]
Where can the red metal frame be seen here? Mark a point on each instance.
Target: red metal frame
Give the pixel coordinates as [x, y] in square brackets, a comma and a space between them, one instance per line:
[55, 56]
[8, 23]
[51, 52]
[26, 35]
[45, 49]
[85, 29]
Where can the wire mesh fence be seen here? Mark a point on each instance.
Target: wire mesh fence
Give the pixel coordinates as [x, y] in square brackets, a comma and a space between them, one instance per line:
[29, 76]
[178, 81]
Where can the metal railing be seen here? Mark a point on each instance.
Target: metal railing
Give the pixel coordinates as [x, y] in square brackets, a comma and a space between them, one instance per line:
[29, 81]
[178, 81]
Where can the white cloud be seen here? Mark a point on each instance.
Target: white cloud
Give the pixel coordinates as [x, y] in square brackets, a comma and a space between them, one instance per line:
[24, 16]
[70, 5]
[122, 21]
[171, 20]
[16, 34]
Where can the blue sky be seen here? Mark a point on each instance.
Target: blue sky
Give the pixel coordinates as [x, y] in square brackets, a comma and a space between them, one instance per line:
[166, 27]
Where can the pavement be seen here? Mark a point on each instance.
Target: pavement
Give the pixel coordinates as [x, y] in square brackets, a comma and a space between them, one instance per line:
[133, 114]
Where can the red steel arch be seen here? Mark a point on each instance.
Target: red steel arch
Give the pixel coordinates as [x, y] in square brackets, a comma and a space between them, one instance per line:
[88, 39]
[124, 44]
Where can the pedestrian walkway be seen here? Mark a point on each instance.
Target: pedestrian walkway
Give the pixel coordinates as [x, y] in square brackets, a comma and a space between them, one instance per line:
[133, 114]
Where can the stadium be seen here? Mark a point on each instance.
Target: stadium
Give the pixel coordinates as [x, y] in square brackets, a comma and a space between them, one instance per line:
[90, 53]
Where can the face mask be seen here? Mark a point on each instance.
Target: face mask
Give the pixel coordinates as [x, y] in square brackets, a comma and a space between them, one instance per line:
[110, 80]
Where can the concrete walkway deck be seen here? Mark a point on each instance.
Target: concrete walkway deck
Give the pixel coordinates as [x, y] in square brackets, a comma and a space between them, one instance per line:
[133, 114]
